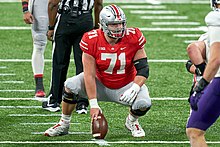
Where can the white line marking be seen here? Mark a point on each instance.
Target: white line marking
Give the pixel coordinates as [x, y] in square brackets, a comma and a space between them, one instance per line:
[47, 60]
[110, 142]
[187, 35]
[51, 123]
[164, 17]
[101, 142]
[168, 61]
[7, 74]
[21, 115]
[189, 41]
[3, 67]
[142, 7]
[17, 90]
[200, 2]
[13, 82]
[72, 133]
[158, 99]
[15, 99]
[14, 28]
[20, 107]
[175, 23]
[9, 1]
[204, 29]
[152, 12]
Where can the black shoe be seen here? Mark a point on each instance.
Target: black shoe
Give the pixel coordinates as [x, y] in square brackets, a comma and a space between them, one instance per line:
[81, 108]
[51, 107]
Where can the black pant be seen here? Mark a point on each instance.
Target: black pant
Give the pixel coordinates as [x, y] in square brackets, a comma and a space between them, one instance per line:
[67, 35]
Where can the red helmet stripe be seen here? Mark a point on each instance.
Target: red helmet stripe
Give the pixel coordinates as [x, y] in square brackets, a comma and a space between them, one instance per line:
[116, 11]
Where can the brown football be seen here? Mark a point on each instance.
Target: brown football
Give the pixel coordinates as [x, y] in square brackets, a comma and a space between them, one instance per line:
[99, 127]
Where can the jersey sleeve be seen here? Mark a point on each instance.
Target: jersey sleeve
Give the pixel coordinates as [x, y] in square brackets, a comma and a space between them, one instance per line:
[141, 39]
[86, 45]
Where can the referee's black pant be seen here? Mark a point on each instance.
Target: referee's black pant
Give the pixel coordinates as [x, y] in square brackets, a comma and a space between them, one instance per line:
[68, 34]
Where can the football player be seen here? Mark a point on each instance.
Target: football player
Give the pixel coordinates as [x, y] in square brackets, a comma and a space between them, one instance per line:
[115, 70]
[205, 100]
[197, 54]
[35, 13]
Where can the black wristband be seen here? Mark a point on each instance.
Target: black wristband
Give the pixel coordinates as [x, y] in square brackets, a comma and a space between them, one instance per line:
[25, 7]
[200, 86]
[51, 27]
[188, 65]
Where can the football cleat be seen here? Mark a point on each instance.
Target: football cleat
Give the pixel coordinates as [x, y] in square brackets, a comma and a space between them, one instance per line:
[57, 130]
[81, 108]
[135, 128]
[40, 96]
[51, 107]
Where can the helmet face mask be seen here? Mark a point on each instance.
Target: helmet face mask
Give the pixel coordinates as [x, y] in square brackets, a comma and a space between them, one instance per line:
[113, 21]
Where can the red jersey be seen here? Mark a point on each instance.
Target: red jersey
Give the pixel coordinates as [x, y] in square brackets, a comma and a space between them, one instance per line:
[114, 63]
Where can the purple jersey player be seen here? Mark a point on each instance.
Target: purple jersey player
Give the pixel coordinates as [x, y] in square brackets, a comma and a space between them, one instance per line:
[205, 101]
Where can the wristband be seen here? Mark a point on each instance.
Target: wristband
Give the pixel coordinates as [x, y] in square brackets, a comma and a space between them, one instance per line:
[93, 103]
[25, 7]
[51, 27]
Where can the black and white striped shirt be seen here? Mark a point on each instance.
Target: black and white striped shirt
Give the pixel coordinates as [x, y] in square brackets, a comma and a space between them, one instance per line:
[84, 5]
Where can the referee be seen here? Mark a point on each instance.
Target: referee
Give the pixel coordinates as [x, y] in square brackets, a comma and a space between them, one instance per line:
[68, 21]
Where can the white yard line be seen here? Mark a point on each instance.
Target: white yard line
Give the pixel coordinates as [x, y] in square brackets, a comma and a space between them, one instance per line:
[189, 41]
[3, 67]
[12, 82]
[187, 35]
[26, 99]
[164, 17]
[153, 12]
[109, 142]
[48, 60]
[72, 133]
[142, 7]
[14, 28]
[204, 29]
[201, 28]
[50, 123]
[17, 90]
[7, 74]
[175, 23]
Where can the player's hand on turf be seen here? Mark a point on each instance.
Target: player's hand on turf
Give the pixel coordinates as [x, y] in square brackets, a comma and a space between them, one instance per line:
[130, 94]
[197, 93]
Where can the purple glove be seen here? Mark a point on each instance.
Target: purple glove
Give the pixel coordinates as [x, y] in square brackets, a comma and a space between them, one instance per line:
[198, 91]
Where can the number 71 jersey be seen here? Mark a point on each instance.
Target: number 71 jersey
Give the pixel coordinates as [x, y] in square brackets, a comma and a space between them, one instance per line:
[114, 63]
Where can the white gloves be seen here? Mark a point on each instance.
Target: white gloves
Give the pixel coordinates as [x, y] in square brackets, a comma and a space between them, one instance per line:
[130, 94]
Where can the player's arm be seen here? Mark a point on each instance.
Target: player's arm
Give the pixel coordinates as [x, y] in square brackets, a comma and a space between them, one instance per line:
[214, 62]
[52, 13]
[141, 65]
[27, 16]
[89, 67]
[98, 5]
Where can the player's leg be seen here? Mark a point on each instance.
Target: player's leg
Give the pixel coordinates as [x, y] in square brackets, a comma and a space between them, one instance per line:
[139, 107]
[82, 103]
[39, 29]
[208, 112]
[73, 87]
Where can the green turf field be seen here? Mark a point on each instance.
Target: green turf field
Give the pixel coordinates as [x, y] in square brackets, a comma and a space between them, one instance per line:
[23, 122]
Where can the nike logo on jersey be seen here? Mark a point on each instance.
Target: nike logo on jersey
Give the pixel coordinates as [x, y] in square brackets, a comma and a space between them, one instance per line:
[122, 48]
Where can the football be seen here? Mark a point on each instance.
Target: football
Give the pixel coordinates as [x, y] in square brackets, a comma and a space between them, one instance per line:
[99, 127]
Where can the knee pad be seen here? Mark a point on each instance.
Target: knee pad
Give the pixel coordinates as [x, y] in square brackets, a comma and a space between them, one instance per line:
[140, 112]
[69, 98]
